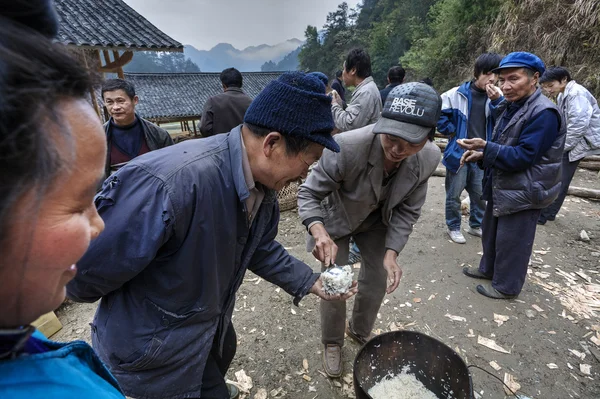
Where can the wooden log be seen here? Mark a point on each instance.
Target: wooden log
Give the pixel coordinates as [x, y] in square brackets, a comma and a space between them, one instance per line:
[584, 192]
[439, 172]
[589, 165]
[591, 158]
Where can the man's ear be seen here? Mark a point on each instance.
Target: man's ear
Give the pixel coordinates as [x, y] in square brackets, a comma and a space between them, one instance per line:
[136, 99]
[271, 142]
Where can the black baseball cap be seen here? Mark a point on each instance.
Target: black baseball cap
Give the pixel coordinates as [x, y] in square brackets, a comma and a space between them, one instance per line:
[410, 111]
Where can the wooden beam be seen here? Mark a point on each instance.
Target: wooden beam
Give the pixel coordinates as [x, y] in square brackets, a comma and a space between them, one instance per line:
[584, 192]
[119, 62]
[92, 92]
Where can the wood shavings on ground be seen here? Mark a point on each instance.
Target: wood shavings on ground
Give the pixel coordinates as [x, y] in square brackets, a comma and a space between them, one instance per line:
[495, 365]
[261, 394]
[537, 308]
[577, 354]
[400, 386]
[491, 344]
[552, 366]
[305, 364]
[585, 369]
[575, 292]
[455, 318]
[243, 383]
[500, 319]
[510, 381]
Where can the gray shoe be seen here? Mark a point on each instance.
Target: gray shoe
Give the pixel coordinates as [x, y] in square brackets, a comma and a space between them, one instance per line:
[234, 393]
[475, 273]
[456, 236]
[486, 289]
[474, 231]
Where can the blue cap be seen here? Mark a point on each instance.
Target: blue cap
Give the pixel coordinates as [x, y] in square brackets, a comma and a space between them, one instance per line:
[295, 105]
[522, 59]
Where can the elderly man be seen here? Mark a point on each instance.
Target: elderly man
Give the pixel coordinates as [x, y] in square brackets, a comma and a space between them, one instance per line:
[225, 111]
[372, 190]
[522, 175]
[182, 227]
[127, 134]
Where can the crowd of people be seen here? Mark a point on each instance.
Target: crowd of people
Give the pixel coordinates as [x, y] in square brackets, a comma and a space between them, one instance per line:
[163, 234]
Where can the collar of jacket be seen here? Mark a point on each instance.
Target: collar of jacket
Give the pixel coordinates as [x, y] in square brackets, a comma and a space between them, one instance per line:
[367, 80]
[235, 156]
[238, 89]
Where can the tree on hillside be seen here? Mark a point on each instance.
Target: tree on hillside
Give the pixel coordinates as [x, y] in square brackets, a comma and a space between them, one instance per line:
[160, 62]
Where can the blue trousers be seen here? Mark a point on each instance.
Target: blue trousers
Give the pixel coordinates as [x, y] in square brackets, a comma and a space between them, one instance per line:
[213, 379]
[469, 177]
[507, 243]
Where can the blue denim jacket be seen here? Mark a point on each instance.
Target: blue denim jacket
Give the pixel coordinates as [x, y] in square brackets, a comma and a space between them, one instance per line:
[174, 252]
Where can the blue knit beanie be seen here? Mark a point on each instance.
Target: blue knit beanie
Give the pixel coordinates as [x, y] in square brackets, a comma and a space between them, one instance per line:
[295, 105]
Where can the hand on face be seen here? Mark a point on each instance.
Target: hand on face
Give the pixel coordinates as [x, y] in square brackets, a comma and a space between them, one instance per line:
[493, 92]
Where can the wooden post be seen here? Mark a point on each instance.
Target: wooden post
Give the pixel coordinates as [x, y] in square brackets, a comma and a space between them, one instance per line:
[92, 92]
[181, 125]
[194, 125]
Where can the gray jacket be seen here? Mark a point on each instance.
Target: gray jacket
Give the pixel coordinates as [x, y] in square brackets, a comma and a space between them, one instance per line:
[537, 186]
[364, 108]
[155, 136]
[580, 109]
[344, 187]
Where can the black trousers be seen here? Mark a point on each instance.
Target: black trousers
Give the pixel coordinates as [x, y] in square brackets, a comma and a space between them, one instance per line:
[213, 379]
[568, 171]
[507, 243]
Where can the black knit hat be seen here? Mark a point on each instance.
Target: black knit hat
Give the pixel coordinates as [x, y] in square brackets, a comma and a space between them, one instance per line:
[296, 105]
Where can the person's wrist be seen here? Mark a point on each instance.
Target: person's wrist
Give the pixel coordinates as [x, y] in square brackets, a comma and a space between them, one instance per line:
[317, 230]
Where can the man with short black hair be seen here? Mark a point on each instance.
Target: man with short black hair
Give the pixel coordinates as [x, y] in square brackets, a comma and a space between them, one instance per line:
[522, 174]
[225, 111]
[395, 77]
[467, 113]
[127, 134]
[365, 106]
[372, 190]
[182, 227]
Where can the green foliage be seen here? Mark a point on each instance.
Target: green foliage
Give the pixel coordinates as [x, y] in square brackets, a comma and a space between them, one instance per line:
[160, 62]
[288, 63]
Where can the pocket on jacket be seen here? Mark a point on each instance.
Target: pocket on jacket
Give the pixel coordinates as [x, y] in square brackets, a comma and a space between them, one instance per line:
[149, 353]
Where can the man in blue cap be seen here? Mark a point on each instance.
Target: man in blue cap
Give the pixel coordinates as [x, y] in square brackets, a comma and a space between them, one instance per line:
[183, 225]
[522, 174]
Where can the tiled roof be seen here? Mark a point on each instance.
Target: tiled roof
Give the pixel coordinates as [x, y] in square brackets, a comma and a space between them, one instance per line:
[109, 24]
[165, 96]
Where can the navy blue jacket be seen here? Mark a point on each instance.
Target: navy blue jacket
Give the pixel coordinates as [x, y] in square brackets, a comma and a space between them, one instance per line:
[174, 252]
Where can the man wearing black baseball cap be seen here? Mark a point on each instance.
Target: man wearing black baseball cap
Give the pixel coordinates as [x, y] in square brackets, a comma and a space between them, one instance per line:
[372, 190]
[522, 175]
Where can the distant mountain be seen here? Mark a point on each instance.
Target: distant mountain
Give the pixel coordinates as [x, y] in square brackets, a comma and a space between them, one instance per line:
[250, 59]
[288, 63]
[160, 62]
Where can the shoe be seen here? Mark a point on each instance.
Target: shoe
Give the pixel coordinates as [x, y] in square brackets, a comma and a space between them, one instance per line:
[456, 236]
[541, 221]
[486, 289]
[332, 360]
[234, 393]
[475, 273]
[360, 339]
[474, 231]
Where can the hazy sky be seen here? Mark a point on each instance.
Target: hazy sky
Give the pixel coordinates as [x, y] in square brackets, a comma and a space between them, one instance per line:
[243, 23]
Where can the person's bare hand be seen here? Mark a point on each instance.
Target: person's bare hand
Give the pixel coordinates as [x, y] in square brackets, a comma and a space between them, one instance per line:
[319, 291]
[325, 249]
[471, 156]
[471, 144]
[394, 271]
[335, 96]
[493, 92]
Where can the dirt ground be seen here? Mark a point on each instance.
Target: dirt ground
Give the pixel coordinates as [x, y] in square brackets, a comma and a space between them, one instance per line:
[275, 337]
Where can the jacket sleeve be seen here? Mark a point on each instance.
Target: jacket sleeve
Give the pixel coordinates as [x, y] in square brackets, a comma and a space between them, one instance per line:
[139, 219]
[168, 140]
[538, 135]
[579, 114]
[273, 263]
[206, 123]
[357, 113]
[447, 122]
[325, 178]
[404, 217]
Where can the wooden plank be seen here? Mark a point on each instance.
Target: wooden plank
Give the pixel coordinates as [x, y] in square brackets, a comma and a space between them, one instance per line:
[48, 324]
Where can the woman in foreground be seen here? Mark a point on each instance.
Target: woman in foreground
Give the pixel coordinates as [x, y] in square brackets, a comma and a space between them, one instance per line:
[52, 153]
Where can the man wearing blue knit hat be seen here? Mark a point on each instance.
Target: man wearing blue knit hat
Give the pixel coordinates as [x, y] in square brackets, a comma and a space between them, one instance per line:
[522, 175]
[182, 226]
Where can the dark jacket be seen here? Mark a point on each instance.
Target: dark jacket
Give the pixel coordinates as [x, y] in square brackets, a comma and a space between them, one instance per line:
[156, 138]
[386, 90]
[173, 254]
[338, 86]
[520, 179]
[224, 111]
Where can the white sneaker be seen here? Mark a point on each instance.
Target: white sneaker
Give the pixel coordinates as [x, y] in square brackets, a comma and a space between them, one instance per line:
[474, 231]
[456, 236]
